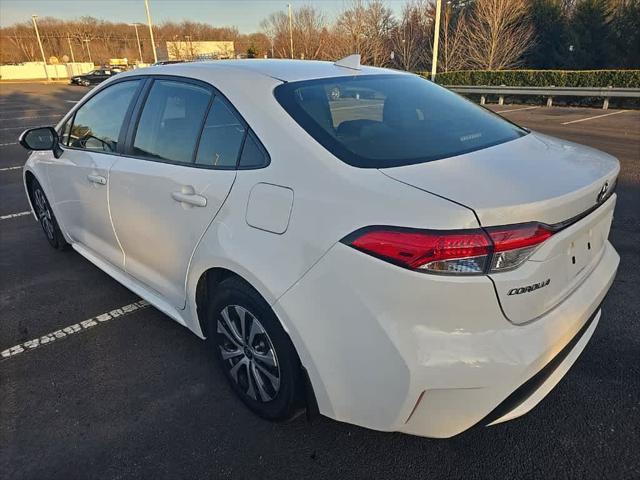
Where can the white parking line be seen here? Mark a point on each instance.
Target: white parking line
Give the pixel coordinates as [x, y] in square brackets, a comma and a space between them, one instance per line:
[73, 329]
[7, 144]
[14, 215]
[33, 116]
[20, 127]
[593, 118]
[24, 108]
[352, 107]
[518, 109]
[6, 169]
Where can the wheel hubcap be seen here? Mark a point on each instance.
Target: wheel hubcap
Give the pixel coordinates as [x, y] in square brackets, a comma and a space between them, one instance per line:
[44, 213]
[248, 353]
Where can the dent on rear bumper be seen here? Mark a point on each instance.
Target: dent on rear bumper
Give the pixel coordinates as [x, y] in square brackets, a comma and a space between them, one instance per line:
[375, 338]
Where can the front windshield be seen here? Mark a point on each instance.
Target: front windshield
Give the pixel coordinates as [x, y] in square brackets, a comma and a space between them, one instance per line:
[378, 121]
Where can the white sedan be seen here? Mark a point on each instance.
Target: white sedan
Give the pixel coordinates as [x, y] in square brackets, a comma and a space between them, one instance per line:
[356, 241]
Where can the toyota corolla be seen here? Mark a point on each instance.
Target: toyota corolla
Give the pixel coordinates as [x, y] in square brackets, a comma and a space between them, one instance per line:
[398, 258]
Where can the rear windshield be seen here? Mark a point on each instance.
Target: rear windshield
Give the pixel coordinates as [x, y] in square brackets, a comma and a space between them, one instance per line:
[379, 121]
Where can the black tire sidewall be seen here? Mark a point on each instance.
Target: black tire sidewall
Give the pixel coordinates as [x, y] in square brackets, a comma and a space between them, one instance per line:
[288, 400]
[58, 242]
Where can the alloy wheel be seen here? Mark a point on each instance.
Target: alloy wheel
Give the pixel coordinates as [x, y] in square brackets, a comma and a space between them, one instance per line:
[248, 353]
[43, 211]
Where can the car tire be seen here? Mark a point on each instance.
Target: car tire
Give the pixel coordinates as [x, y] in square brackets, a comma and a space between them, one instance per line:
[254, 352]
[86, 83]
[46, 218]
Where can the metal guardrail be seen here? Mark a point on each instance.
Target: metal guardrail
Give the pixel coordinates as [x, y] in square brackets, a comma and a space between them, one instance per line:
[548, 92]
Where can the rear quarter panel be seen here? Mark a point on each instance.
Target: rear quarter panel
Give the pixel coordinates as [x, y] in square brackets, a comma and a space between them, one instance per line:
[330, 200]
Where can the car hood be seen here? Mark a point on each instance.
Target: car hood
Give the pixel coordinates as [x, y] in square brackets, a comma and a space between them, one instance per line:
[533, 178]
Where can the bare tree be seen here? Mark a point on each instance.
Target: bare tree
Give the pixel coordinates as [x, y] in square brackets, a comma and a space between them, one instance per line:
[24, 48]
[410, 39]
[452, 54]
[365, 28]
[497, 33]
[379, 25]
[310, 34]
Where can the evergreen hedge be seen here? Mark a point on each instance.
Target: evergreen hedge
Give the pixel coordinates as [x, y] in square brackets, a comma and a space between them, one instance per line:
[541, 78]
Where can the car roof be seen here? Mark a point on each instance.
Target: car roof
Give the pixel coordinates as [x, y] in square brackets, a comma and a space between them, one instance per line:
[281, 69]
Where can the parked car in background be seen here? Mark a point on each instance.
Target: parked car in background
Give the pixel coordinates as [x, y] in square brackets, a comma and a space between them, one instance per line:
[166, 62]
[94, 77]
[399, 258]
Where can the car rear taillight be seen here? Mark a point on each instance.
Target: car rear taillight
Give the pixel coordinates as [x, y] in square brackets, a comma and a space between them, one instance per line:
[512, 245]
[461, 252]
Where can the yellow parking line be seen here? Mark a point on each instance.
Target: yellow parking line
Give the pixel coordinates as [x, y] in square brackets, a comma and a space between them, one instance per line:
[593, 118]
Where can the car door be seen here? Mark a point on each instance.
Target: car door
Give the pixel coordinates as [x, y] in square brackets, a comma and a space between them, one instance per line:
[80, 177]
[181, 165]
[92, 77]
[98, 77]
[104, 75]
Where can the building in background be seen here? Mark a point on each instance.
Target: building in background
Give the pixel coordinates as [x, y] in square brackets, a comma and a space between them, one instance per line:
[196, 50]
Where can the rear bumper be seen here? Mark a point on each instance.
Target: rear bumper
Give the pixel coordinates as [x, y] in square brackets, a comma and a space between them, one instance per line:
[527, 395]
[395, 350]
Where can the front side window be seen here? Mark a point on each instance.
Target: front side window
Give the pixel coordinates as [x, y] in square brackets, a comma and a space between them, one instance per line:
[378, 121]
[171, 121]
[97, 123]
[64, 132]
[222, 137]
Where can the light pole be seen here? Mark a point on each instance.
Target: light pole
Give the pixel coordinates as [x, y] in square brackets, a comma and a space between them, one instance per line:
[290, 30]
[44, 59]
[189, 46]
[73, 57]
[135, 25]
[153, 43]
[88, 50]
[436, 37]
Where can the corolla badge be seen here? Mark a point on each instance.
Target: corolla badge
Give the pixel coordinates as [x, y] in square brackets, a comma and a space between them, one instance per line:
[603, 192]
[529, 288]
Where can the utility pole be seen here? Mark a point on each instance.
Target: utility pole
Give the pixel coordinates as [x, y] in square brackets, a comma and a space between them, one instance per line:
[189, 46]
[290, 30]
[73, 57]
[44, 59]
[153, 43]
[88, 50]
[135, 25]
[436, 37]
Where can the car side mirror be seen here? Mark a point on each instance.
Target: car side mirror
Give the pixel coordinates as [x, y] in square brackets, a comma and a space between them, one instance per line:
[41, 138]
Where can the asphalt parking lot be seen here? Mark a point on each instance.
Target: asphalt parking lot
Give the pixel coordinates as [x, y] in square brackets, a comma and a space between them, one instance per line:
[132, 394]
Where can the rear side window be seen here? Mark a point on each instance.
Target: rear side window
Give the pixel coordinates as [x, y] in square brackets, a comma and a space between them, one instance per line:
[171, 121]
[253, 154]
[222, 137]
[378, 121]
[97, 123]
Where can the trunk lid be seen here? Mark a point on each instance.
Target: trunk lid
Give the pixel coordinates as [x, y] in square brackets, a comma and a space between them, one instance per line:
[532, 178]
[535, 178]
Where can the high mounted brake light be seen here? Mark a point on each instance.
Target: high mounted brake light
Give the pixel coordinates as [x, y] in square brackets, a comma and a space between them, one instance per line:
[454, 252]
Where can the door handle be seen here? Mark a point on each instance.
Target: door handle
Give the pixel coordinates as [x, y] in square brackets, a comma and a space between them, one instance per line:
[99, 179]
[190, 198]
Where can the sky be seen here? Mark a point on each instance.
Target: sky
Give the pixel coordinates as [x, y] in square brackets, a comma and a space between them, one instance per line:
[243, 14]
